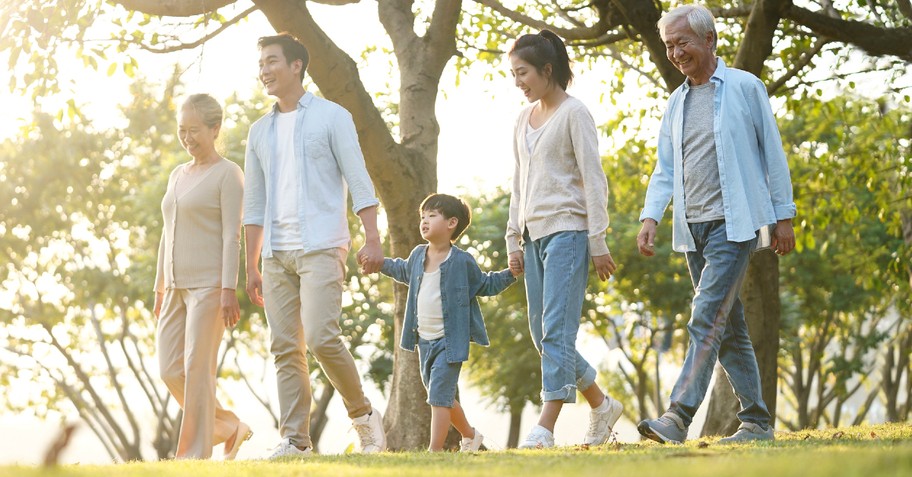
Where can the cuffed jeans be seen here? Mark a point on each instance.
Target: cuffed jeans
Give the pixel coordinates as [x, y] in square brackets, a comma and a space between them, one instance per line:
[303, 295]
[717, 327]
[189, 334]
[556, 271]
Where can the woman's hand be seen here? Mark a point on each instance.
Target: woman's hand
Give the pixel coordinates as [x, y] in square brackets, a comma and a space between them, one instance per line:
[517, 263]
[604, 266]
[157, 308]
[229, 310]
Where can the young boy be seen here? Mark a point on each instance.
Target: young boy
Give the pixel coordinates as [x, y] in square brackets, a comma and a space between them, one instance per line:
[442, 314]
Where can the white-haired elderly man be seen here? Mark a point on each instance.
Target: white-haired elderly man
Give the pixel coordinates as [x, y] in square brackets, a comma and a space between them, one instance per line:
[721, 163]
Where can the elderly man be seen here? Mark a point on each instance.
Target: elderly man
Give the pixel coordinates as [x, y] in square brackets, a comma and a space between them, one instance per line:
[720, 158]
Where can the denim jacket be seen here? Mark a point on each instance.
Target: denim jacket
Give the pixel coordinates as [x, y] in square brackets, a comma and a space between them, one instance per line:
[753, 170]
[460, 282]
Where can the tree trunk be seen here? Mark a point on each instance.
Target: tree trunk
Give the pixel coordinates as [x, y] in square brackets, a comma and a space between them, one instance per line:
[760, 296]
[318, 416]
[515, 422]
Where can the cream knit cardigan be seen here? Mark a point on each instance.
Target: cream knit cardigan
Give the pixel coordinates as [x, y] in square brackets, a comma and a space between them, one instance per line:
[561, 186]
[201, 234]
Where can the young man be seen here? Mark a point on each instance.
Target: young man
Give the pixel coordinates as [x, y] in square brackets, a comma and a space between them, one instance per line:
[721, 159]
[302, 157]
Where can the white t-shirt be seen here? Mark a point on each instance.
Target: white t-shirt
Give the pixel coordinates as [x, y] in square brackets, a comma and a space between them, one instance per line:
[430, 308]
[286, 227]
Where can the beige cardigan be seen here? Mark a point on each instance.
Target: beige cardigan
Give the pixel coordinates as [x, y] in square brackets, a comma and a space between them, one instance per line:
[561, 186]
[201, 234]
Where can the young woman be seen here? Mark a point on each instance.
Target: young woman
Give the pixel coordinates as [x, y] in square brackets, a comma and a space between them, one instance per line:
[558, 219]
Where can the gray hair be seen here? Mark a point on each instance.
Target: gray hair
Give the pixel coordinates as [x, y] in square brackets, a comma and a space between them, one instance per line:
[208, 108]
[699, 18]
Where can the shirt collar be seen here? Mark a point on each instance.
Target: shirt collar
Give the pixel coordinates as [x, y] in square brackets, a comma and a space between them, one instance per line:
[718, 76]
[302, 103]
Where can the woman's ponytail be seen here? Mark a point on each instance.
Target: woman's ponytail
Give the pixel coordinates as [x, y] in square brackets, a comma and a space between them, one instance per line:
[542, 49]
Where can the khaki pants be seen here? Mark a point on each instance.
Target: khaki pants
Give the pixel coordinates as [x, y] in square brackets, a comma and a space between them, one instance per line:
[189, 334]
[303, 295]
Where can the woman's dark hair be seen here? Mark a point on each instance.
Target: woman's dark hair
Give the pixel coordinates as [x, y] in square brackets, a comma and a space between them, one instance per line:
[291, 48]
[545, 48]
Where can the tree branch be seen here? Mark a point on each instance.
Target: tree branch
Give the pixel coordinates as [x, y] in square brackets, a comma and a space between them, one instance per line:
[399, 22]
[112, 371]
[204, 39]
[806, 58]
[876, 41]
[174, 8]
[583, 33]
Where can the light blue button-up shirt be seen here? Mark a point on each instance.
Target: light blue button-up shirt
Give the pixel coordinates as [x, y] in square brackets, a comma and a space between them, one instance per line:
[328, 162]
[753, 170]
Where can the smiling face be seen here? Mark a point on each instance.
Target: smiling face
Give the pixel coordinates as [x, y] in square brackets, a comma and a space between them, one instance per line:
[435, 227]
[534, 84]
[195, 136]
[689, 53]
[277, 75]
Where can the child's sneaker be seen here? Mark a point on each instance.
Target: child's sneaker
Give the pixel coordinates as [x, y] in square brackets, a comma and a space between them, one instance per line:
[538, 438]
[471, 444]
[602, 420]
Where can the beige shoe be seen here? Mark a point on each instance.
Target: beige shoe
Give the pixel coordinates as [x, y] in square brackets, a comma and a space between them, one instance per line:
[243, 434]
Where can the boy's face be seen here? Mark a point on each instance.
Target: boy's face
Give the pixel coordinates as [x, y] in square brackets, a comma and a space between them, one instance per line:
[435, 227]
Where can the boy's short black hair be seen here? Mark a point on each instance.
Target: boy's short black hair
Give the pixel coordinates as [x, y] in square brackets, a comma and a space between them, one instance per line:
[450, 207]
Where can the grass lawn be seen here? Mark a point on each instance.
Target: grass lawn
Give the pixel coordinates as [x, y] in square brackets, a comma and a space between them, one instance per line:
[869, 451]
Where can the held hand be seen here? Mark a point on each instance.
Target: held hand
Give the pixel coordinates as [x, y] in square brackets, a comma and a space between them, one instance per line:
[229, 309]
[157, 308]
[255, 286]
[517, 263]
[604, 266]
[646, 238]
[783, 240]
[370, 257]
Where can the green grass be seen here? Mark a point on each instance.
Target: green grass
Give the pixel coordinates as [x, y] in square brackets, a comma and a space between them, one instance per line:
[870, 451]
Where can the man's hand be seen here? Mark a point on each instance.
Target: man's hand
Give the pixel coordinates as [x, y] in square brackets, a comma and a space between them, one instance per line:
[255, 286]
[783, 240]
[370, 257]
[646, 238]
[604, 266]
[517, 263]
[229, 309]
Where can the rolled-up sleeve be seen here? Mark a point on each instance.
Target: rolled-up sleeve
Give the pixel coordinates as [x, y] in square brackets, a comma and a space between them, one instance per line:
[661, 183]
[347, 151]
[254, 180]
[772, 155]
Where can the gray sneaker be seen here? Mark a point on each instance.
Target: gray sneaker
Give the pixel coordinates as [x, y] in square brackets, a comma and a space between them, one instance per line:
[747, 432]
[668, 428]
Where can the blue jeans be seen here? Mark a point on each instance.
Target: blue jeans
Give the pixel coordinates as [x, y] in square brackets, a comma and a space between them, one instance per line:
[440, 378]
[556, 271]
[717, 327]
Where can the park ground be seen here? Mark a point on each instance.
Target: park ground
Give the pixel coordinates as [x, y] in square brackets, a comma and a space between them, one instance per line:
[866, 451]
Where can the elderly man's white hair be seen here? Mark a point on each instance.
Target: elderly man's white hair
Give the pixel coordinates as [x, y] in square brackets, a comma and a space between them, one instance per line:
[699, 18]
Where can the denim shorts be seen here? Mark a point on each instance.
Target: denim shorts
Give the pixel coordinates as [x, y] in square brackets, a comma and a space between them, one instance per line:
[438, 376]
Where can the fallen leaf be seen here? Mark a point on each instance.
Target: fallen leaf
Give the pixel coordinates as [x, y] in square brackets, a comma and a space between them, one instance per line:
[839, 435]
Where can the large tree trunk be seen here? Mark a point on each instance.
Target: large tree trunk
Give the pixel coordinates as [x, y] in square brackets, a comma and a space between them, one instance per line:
[760, 295]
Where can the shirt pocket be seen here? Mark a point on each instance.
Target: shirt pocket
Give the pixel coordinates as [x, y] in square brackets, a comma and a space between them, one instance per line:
[462, 296]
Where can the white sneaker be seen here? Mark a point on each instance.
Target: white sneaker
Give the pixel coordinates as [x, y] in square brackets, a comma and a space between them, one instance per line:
[370, 432]
[538, 438]
[471, 444]
[602, 420]
[287, 449]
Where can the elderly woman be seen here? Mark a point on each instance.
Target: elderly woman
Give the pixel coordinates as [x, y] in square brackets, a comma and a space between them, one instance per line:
[195, 298]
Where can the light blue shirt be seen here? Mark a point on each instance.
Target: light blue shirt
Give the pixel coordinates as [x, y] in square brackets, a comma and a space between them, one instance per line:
[753, 171]
[328, 162]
